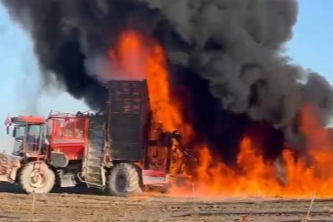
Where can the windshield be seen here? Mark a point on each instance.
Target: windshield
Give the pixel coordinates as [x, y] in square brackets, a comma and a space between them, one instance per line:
[27, 132]
[34, 130]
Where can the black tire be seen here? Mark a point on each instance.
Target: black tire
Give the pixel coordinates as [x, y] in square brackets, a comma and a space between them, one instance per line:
[43, 182]
[124, 180]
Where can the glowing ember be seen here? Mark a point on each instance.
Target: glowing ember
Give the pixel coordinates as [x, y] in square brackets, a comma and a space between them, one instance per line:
[138, 55]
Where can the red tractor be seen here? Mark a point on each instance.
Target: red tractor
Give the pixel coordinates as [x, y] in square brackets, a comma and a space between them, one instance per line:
[116, 150]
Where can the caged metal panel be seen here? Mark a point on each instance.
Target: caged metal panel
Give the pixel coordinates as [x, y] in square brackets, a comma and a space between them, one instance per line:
[127, 97]
[128, 110]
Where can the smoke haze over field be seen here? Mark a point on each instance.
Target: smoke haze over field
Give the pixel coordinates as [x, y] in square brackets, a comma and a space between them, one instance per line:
[233, 47]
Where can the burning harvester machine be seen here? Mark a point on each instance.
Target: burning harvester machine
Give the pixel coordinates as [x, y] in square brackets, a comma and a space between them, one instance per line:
[117, 150]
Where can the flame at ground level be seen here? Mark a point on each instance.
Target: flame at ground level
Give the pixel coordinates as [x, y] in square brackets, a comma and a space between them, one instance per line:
[137, 55]
[255, 178]
[290, 176]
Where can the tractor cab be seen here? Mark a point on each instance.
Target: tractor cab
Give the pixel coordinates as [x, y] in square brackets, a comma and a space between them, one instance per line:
[28, 134]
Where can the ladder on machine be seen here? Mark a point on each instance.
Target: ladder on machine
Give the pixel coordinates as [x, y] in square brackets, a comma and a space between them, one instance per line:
[92, 166]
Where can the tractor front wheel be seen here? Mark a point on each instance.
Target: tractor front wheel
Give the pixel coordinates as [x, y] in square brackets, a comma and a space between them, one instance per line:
[37, 177]
[124, 180]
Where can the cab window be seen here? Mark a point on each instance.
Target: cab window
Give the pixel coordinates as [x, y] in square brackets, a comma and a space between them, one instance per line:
[34, 130]
[20, 131]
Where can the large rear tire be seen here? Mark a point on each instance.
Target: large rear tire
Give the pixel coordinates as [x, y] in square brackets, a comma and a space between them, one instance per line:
[124, 180]
[37, 178]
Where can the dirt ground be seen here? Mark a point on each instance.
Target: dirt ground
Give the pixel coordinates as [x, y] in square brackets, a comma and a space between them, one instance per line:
[68, 207]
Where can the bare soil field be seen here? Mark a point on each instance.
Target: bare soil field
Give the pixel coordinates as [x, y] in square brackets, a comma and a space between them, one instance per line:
[67, 207]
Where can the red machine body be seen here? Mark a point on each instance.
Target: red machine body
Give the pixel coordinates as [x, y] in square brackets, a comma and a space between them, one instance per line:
[112, 150]
[67, 134]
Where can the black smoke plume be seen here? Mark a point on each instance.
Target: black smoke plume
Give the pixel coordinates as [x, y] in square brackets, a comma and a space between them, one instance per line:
[229, 53]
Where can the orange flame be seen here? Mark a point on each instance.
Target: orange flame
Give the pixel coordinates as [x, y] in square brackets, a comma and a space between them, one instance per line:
[139, 56]
[254, 177]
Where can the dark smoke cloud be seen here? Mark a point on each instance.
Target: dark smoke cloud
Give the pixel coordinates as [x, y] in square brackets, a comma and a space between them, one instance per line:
[68, 34]
[236, 45]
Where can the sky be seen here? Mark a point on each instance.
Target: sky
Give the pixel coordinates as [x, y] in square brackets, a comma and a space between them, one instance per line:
[312, 44]
[21, 87]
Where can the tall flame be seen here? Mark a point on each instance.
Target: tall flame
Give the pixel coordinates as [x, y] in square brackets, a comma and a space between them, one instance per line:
[139, 56]
[136, 56]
